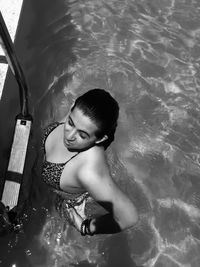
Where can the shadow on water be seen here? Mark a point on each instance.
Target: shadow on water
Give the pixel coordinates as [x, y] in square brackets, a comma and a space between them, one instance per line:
[147, 54]
[117, 254]
[41, 42]
[50, 41]
[40, 45]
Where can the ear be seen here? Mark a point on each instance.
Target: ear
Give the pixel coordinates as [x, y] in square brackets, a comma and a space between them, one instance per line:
[105, 137]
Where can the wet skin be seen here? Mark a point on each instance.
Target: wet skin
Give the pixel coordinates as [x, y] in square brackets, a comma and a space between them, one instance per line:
[79, 132]
[88, 171]
[76, 135]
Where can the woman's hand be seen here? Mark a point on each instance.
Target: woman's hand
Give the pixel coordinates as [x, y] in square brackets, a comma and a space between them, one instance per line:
[77, 215]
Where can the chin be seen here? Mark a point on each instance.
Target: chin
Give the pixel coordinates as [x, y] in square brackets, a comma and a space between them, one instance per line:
[72, 149]
[78, 149]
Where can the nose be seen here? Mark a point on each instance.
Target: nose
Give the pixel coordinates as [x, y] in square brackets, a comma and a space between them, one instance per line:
[70, 135]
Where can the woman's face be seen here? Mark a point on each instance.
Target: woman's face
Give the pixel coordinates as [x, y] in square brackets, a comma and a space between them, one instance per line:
[79, 131]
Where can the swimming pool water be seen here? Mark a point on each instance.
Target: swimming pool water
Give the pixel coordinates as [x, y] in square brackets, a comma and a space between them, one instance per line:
[146, 53]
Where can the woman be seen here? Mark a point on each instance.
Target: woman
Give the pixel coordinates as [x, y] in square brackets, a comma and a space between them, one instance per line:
[75, 165]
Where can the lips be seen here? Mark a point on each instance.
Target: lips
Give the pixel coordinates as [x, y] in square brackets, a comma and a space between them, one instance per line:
[66, 142]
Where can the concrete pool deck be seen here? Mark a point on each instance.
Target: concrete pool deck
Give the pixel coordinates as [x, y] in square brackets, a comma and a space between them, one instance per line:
[10, 10]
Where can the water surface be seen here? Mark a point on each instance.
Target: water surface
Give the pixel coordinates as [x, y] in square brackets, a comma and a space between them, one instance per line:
[146, 54]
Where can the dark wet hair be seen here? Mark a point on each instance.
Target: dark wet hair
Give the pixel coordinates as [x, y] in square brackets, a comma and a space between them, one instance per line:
[102, 109]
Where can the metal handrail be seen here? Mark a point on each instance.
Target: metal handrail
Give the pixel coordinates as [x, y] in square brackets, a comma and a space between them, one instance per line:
[8, 47]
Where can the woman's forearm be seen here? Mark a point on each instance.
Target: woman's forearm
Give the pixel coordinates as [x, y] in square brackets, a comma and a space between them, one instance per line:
[105, 224]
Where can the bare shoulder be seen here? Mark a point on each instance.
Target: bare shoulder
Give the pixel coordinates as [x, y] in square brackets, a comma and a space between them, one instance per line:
[94, 164]
[53, 137]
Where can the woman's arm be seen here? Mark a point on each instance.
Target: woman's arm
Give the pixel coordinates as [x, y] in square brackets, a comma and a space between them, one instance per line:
[122, 212]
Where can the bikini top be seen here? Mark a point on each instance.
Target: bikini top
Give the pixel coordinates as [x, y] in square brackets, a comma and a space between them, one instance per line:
[51, 172]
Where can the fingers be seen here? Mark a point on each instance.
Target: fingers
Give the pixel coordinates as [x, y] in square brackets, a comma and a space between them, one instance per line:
[71, 215]
[78, 210]
[83, 203]
[81, 207]
[76, 219]
[71, 212]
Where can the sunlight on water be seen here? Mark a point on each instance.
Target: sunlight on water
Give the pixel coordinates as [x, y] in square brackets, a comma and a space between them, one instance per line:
[10, 10]
[147, 54]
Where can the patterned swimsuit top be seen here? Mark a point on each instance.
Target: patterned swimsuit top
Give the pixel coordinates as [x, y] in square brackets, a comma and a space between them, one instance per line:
[51, 174]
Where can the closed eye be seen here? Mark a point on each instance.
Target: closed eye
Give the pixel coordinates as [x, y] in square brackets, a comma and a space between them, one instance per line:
[83, 135]
[70, 122]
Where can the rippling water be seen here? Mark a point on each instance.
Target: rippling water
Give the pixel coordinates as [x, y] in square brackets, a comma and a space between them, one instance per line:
[147, 54]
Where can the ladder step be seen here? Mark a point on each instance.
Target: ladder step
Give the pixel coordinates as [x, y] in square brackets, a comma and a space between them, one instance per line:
[16, 163]
[10, 194]
[19, 146]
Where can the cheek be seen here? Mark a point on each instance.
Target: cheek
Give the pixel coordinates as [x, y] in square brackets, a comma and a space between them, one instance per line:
[84, 142]
[67, 127]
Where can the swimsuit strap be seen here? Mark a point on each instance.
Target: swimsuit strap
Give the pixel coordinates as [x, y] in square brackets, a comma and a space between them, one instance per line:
[48, 130]
[71, 158]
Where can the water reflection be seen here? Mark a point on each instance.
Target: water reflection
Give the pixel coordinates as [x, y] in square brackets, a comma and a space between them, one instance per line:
[146, 53]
